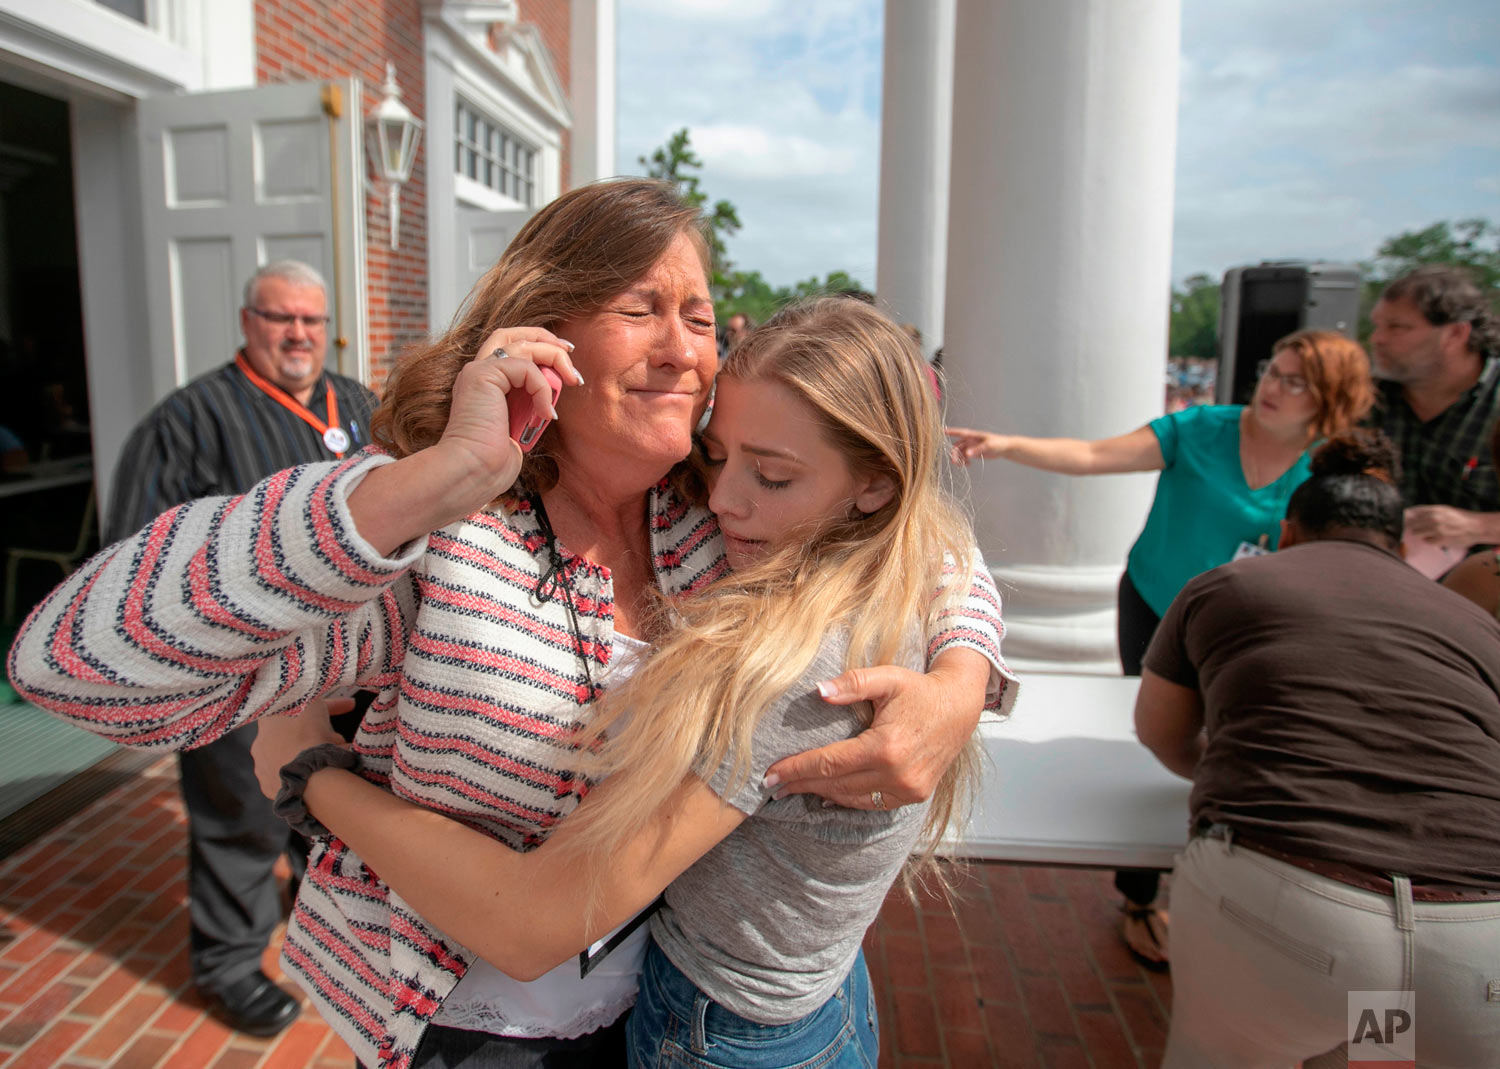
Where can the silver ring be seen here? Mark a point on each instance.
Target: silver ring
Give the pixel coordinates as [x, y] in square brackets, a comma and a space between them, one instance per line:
[878, 799]
[499, 353]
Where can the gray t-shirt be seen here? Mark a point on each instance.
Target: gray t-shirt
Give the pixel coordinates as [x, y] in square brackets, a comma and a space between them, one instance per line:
[768, 922]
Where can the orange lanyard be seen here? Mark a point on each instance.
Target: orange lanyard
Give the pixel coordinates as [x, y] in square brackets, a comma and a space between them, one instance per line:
[334, 437]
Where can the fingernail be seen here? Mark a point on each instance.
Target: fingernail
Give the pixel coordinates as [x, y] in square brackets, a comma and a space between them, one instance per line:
[827, 804]
[567, 343]
[579, 376]
[771, 780]
[827, 689]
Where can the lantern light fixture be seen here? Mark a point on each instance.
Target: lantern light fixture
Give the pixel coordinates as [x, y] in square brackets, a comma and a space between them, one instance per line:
[393, 134]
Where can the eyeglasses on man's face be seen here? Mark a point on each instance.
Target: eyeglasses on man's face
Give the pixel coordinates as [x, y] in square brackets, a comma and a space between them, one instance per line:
[1292, 384]
[286, 319]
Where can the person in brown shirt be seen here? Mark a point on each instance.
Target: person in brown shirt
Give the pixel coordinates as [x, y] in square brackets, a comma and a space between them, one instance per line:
[1339, 715]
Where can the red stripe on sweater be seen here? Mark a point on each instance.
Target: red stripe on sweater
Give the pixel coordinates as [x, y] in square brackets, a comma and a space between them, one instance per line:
[351, 569]
[487, 759]
[274, 490]
[498, 662]
[364, 1018]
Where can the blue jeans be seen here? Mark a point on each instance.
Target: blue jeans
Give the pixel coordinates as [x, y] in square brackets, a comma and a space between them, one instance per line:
[676, 1025]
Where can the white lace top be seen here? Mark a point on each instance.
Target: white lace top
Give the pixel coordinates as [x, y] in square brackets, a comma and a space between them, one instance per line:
[560, 1004]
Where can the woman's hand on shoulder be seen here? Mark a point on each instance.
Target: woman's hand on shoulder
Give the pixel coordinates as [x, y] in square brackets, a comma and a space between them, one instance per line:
[477, 436]
[922, 722]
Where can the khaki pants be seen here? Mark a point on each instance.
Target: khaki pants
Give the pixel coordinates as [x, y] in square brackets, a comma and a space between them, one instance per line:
[1264, 955]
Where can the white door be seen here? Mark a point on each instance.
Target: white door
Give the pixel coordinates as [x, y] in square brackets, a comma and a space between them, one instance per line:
[231, 181]
[481, 237]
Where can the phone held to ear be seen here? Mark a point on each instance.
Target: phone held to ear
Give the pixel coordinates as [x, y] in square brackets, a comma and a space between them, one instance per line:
[526, 423]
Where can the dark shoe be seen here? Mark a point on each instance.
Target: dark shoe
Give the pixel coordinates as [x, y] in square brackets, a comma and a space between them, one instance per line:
[1143, 929]
[253, 1005]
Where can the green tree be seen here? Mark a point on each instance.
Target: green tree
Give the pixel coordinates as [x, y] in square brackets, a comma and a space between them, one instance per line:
[1473, 244]
[1194, 324]
[676, 162]
[734, 292]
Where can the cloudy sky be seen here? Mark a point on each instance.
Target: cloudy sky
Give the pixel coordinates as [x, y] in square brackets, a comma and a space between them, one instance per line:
[1308, 128]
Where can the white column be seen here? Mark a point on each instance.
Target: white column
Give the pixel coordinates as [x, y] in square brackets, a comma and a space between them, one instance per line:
[1059, 262]
[591, 67]
[916, 122]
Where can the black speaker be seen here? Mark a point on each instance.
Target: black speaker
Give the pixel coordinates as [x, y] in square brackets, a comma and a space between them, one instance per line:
[1260, 305]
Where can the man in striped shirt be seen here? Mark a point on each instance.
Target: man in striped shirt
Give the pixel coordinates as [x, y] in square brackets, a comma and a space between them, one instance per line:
[272, 407]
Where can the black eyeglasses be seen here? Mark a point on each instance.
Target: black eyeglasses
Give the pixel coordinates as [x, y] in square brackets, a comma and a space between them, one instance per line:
[286, 319]
[1292, 384]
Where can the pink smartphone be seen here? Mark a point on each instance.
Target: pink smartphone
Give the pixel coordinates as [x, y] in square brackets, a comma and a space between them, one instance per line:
[526, 423]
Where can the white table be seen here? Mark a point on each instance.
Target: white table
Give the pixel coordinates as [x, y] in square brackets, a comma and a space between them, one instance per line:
[1068, 783]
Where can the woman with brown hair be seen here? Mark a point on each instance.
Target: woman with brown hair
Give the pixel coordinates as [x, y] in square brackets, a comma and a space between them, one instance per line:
[1227, 472]
[825, 455]
[488, 597]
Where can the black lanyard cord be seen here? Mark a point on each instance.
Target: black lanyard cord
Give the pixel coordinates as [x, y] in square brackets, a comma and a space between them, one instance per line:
[554, 581]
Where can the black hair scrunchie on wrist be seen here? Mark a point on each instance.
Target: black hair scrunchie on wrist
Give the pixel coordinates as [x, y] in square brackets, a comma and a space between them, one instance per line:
[289, 805]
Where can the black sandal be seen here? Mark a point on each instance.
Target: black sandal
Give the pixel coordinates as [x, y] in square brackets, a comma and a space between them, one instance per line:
[1155, 932]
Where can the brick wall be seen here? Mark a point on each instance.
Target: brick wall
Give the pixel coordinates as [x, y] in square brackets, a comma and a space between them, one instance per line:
[305, 40]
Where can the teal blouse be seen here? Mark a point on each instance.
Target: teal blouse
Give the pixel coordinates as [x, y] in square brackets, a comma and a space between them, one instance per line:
[1203, 507]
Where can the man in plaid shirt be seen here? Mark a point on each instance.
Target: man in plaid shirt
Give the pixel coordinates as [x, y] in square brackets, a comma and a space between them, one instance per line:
[1436, 345]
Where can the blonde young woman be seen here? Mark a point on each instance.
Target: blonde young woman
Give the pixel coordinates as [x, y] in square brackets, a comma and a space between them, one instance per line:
[824, 455]
[1227, 472]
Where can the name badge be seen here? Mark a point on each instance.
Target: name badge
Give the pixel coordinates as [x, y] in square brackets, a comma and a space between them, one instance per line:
[1248, 549]
[336, 439]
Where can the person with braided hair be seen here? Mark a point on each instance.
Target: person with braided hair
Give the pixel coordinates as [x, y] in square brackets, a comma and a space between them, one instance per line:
[1339, 716]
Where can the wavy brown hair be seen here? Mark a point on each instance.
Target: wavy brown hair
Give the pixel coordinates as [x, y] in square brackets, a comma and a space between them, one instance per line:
[1337, 371]
[568, 261]
[724, 656]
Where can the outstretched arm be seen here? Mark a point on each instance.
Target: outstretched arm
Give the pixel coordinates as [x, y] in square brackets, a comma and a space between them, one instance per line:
[524, 913]
[1137, 451]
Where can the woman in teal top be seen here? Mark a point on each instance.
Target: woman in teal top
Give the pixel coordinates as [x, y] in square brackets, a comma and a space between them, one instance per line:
[1226, 474]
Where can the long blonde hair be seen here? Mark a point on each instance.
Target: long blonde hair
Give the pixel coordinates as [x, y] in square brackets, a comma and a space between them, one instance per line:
[722, 657]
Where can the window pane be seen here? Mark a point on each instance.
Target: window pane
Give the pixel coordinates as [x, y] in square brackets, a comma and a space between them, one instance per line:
[131, 9]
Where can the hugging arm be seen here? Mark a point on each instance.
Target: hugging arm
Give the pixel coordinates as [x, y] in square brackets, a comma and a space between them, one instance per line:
[922, 720]
[524, 913]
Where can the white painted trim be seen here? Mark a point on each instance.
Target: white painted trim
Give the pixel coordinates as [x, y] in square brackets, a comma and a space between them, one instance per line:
[594, 44]
[442, 227]
[111, 277]
[357, 278]
[222, 34]
[458, 64]
[545, 97]
[87, 47]
[478, 195]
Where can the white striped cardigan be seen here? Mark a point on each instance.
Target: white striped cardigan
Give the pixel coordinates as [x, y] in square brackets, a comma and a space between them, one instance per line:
[227, 609]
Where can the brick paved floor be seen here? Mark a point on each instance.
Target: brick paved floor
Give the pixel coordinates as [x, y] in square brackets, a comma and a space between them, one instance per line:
[93, 927]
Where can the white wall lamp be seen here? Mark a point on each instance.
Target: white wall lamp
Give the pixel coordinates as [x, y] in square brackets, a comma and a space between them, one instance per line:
[393, 135]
